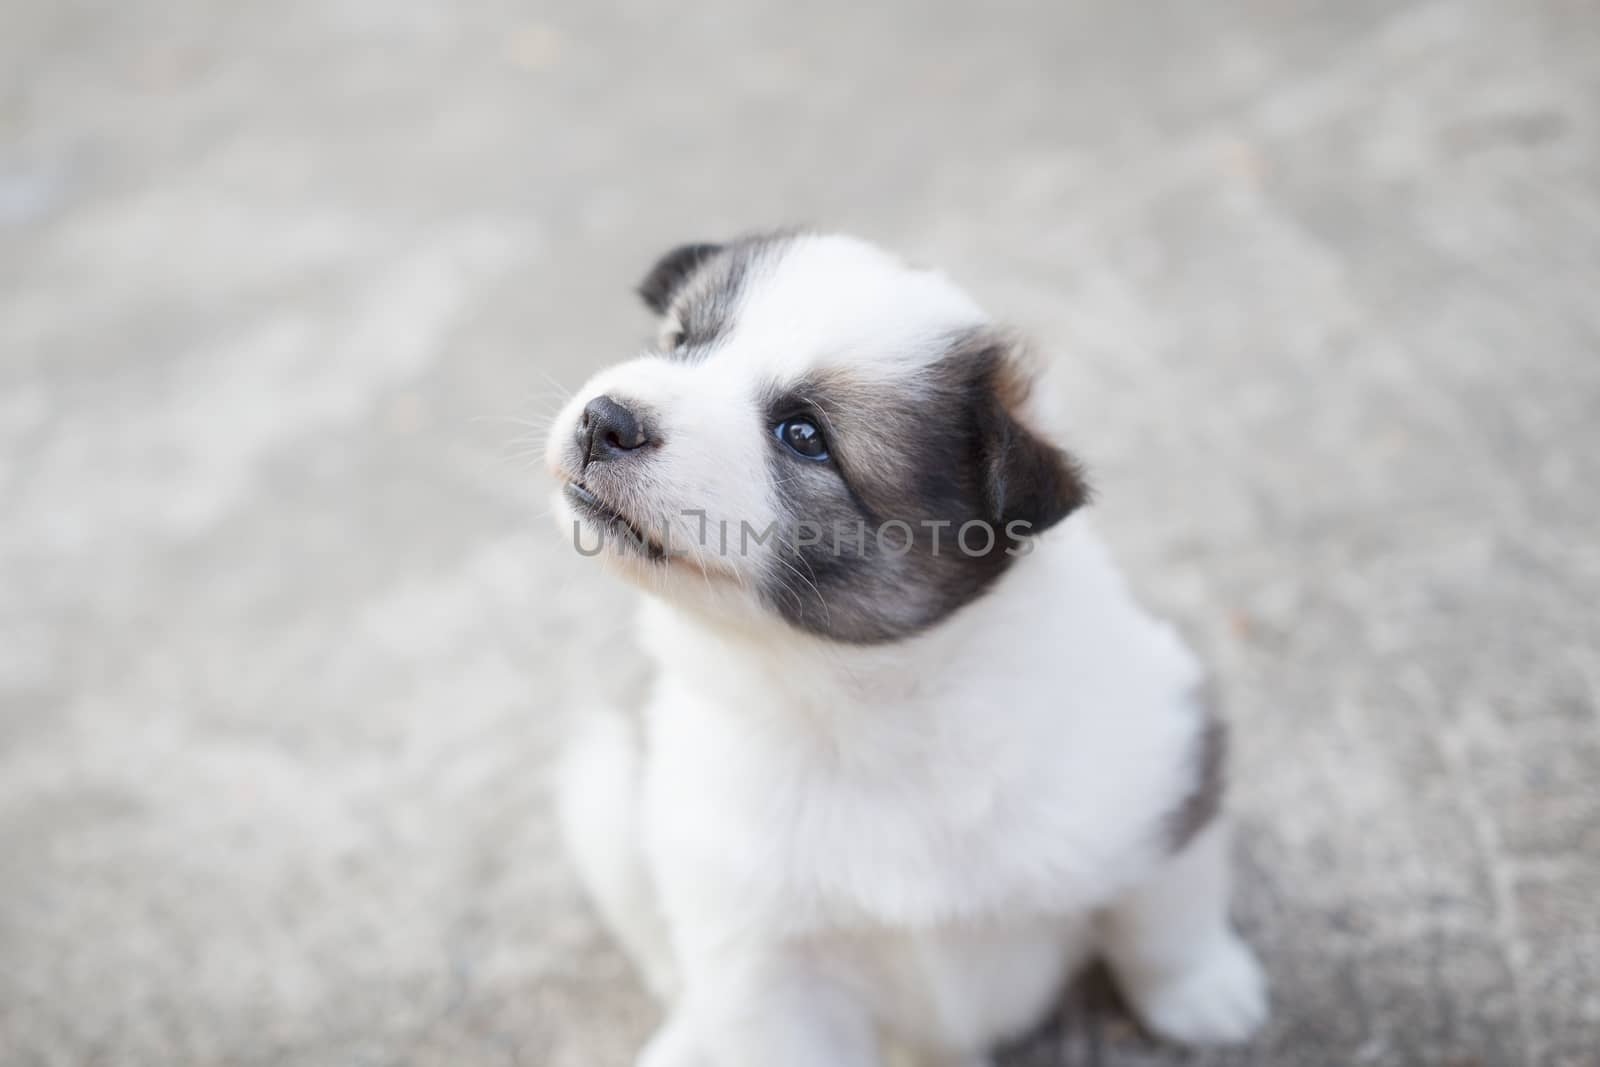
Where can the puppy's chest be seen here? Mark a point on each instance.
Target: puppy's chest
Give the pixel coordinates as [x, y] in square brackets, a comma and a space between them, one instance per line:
[947, 828]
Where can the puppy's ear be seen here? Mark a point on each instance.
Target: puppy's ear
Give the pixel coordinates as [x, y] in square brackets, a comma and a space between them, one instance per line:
[1025, 477]
[670, 272]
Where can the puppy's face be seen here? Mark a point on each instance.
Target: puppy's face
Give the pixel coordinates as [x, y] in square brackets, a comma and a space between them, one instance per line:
[821, 436]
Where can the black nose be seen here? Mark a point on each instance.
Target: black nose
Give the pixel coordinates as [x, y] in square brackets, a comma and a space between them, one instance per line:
[606, 430]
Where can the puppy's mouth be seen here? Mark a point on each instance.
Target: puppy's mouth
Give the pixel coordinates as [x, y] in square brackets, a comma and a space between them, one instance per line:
[613, 521]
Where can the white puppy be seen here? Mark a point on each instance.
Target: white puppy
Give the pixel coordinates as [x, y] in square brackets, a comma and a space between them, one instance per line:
[913, 753]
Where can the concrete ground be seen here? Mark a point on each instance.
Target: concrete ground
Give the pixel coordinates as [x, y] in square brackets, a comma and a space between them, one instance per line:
[286, 642]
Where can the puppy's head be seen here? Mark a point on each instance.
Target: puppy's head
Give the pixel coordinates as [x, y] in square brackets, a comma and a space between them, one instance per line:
[821, 435]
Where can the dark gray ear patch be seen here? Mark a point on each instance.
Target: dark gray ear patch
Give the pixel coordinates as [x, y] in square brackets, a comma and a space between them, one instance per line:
[940, 457]
[671, 271]
[702, 286]
[1026, 478]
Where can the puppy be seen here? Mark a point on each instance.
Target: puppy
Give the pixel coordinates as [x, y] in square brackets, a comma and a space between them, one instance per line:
[913, 753]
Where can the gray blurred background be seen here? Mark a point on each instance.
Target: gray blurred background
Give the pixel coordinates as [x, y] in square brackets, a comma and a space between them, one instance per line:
[287, 639]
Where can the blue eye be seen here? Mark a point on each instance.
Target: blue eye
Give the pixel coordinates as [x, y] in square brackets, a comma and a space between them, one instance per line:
[803, 437]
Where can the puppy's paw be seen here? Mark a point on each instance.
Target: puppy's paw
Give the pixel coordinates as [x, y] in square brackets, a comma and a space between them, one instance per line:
[1220, 1000]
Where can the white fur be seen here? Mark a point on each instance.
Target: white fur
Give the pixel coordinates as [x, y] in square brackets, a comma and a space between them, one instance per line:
[829, 300]
[810, 847]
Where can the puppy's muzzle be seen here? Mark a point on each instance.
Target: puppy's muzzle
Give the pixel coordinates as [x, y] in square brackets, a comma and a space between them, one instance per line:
[609, 430]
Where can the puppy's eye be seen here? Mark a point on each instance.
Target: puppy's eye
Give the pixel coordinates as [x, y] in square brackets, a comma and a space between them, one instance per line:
[673, 340]
[803, 437]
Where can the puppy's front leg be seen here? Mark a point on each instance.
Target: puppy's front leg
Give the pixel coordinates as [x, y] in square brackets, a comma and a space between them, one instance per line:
[1188, 975]
[778, 1013]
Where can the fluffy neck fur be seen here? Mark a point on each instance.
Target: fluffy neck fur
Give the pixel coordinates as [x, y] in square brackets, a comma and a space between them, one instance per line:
[1061, 613]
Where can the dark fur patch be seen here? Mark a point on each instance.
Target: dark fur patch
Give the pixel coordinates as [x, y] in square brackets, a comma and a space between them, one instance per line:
[671, 271]
[945, 455]
[1203, 800]
[702, 284]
